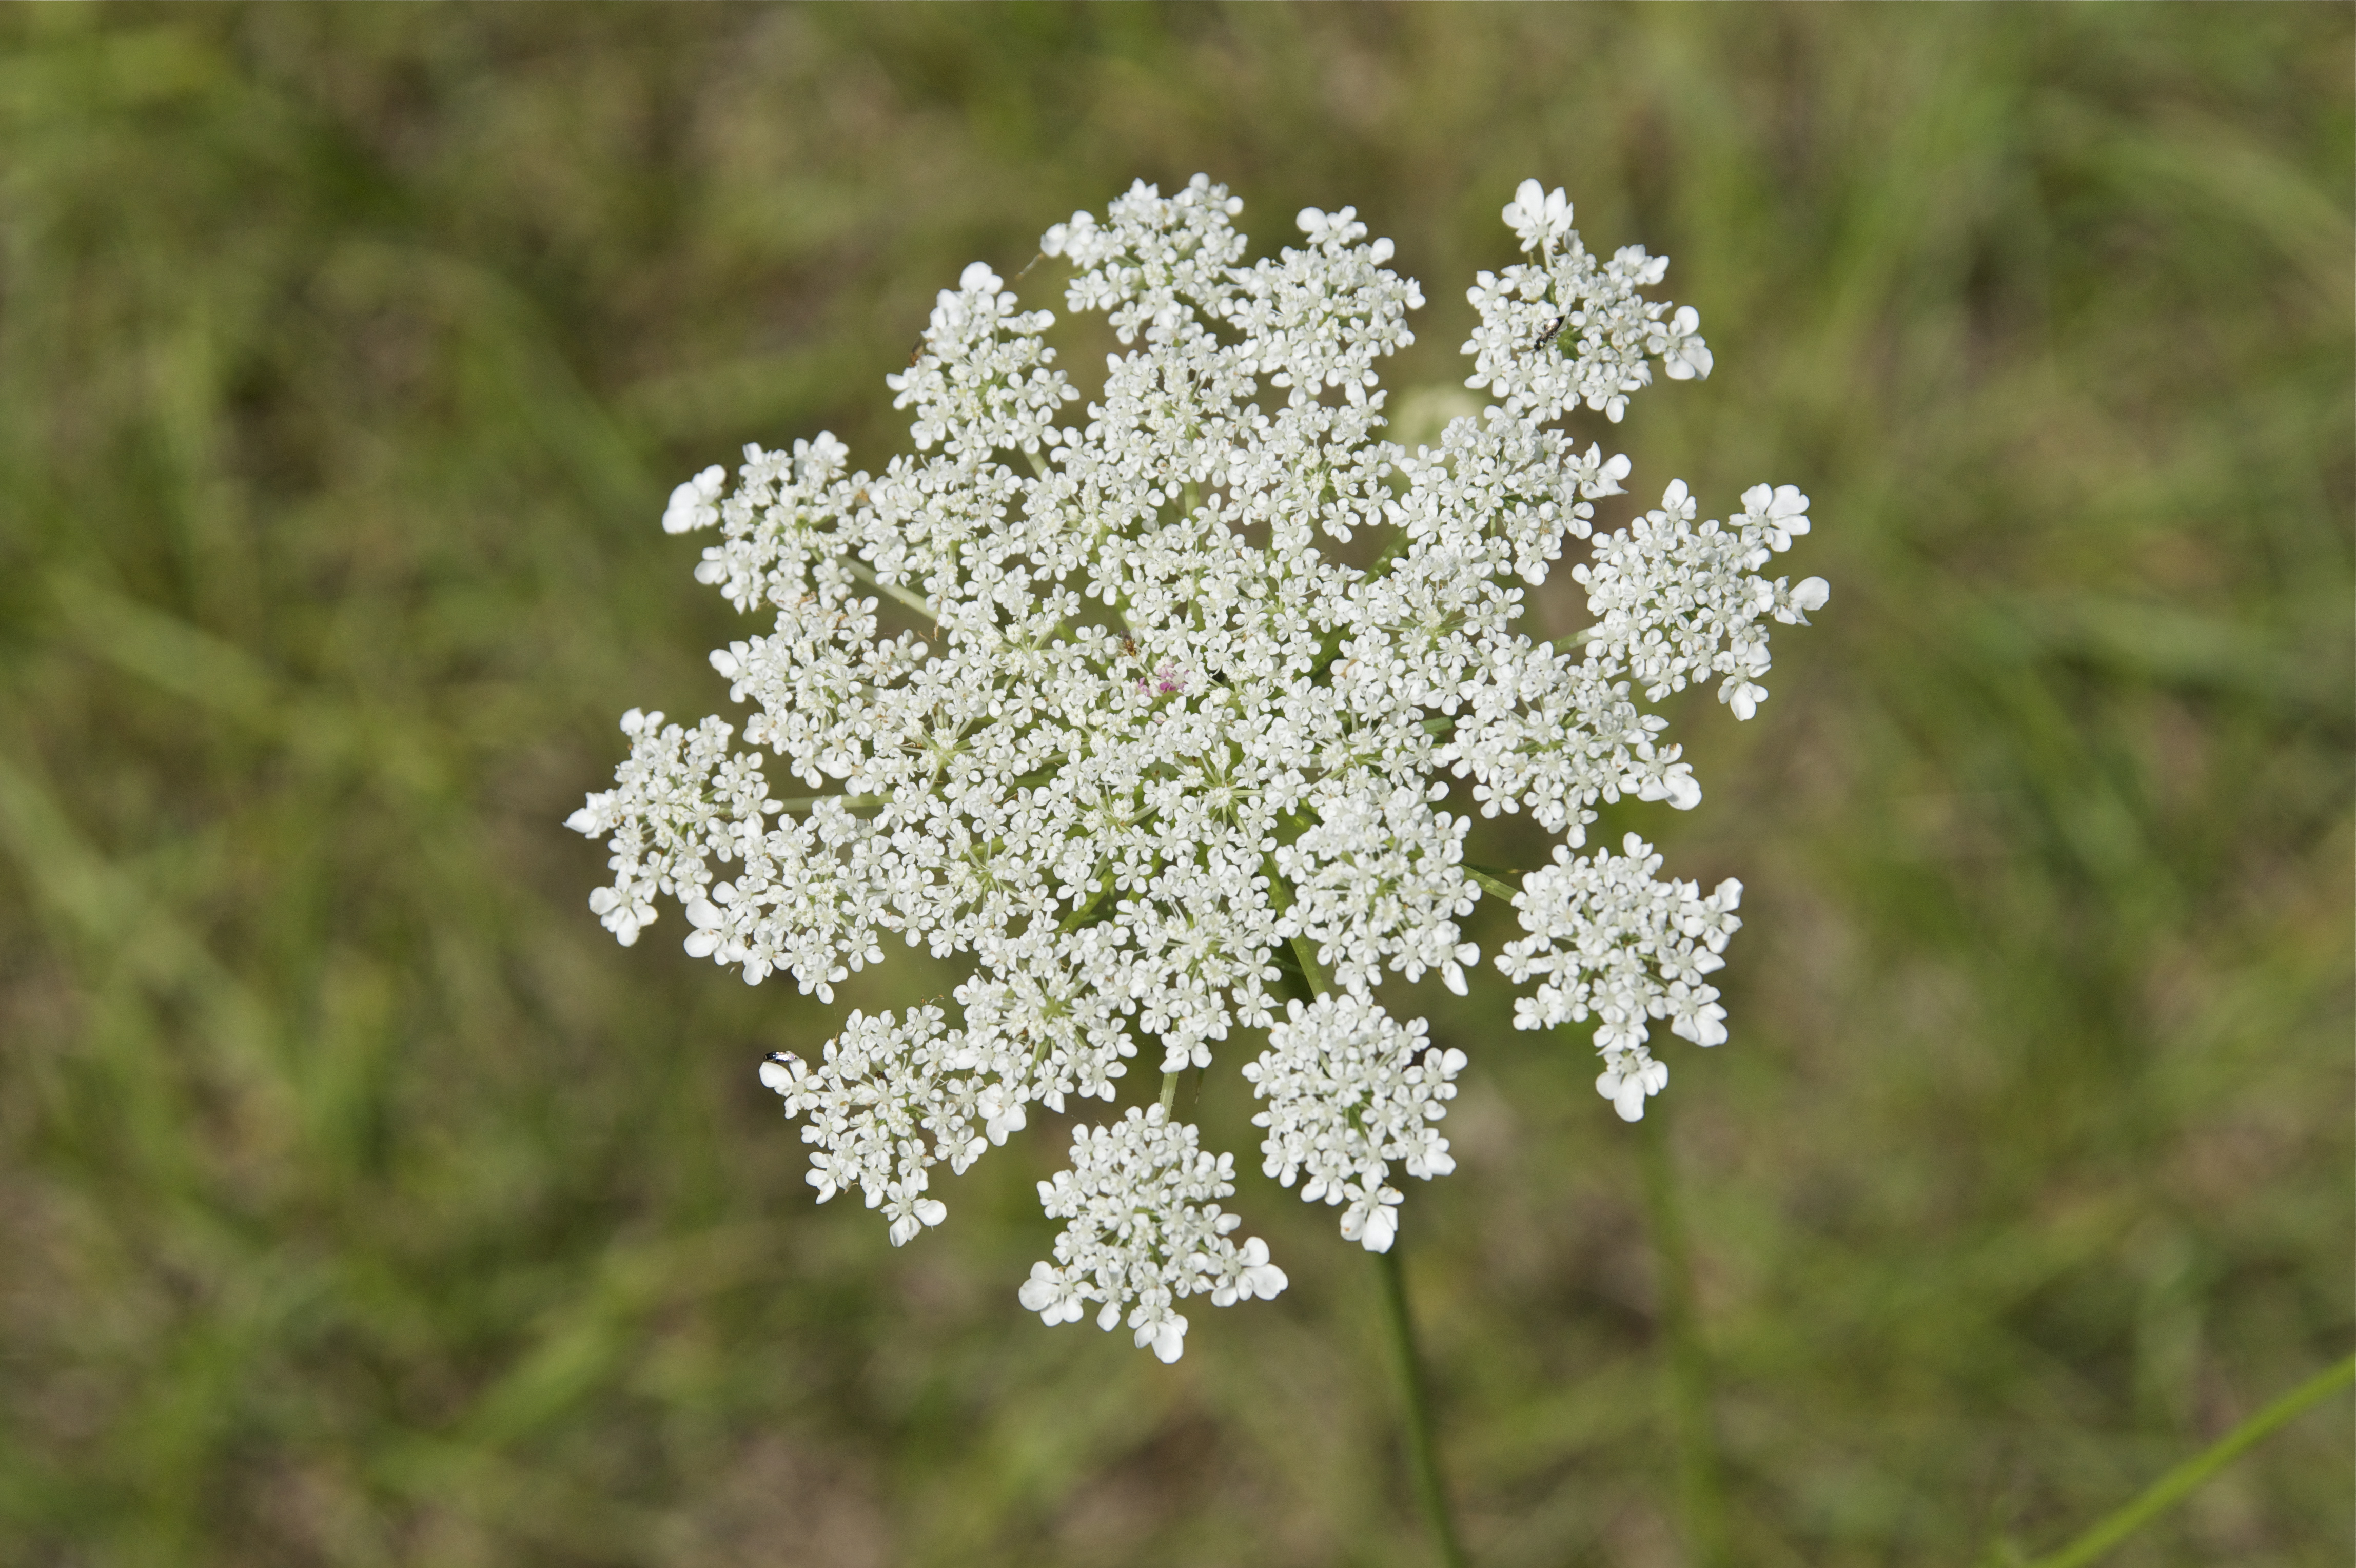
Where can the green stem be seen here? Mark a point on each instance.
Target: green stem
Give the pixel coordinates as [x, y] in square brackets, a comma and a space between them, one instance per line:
[1492, 880]
[1423, 1455]
[1320, 983]
[866, 574]
[1700, 1490]
[1080, 912]
[2178, 1484]
[1168, 1093]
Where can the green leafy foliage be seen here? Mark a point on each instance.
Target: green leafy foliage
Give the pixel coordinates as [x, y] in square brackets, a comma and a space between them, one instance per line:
[361, 1203]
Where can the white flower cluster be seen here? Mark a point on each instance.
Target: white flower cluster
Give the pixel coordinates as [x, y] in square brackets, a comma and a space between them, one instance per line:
[1086, 693]
[1144, 1230]
[1607, 938]
[1350, 1089]
[1675, 603]
[1619, 331]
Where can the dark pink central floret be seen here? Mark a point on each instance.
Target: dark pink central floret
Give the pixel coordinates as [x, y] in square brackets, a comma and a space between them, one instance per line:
[1165, 680]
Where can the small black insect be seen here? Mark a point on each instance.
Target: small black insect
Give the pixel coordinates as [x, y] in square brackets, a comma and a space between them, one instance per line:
[1553, 330]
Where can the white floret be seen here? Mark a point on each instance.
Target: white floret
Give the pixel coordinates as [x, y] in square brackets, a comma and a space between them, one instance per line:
[1142, 1231]
[1608, 940]
[1350, 1090]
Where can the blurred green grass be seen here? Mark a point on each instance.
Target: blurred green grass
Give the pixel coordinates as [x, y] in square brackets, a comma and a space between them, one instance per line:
[361, 1203]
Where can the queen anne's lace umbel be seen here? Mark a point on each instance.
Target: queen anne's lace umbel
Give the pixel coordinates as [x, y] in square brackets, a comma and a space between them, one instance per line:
[1084, 692]
[1607, 938]
[1142, 1230]
[1349, 1089]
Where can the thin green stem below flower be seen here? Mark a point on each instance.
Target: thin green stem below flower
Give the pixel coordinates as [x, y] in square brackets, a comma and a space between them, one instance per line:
[2179, 1484]
[1701, 1494]
[1398, 1324]
[1422, 1451]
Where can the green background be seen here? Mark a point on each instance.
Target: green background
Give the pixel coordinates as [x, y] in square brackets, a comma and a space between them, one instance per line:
[361, 1203]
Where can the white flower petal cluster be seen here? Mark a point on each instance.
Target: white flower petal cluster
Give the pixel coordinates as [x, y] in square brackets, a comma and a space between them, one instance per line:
[1350, 1089]
[1094, 692]
[1381, 879]
[1609, 939]
[1675, 603]
[1570, 295]
[1144, 1232]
